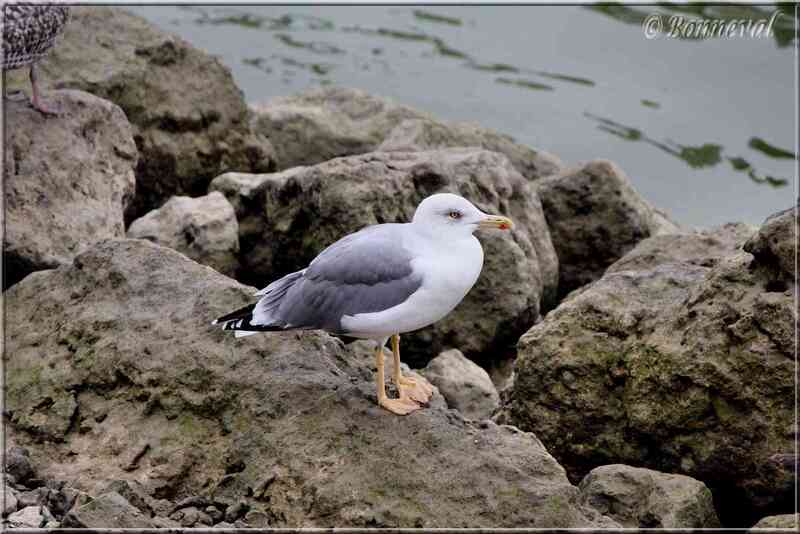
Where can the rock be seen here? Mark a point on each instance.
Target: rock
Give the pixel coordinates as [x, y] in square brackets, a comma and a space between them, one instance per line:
[287, 218]
[326, 123]
[643, 498]
[296, 408]
[189, 118]
[423, 134]
[109, 510]
[191, 517]
[28, 517]
[776, 243]
[595, 217]
[204, 229]
[215, 514]
[10, 502]
[322, 124]
[35, 497]
[257, 519]
[703, 248]
[133, 492]
[18, 464]
[788, 521]
[464, 384]
[659, 365]
[69, 180]
[235, 511]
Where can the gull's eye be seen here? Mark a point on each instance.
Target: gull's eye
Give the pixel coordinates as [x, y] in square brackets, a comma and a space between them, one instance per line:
[454, 215]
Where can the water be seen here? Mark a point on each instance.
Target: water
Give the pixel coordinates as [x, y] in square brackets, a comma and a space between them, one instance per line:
[704, 128]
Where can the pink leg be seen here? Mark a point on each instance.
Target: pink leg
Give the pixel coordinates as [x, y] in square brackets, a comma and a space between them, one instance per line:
[36, 100]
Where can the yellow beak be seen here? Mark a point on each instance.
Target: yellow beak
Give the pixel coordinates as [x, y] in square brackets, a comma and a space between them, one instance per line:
[496, 221]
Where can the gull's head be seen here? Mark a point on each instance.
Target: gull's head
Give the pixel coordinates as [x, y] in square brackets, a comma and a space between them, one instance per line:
[451, 215]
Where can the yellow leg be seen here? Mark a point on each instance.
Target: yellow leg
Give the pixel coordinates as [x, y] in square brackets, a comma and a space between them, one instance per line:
[408, 387]
[401, 406]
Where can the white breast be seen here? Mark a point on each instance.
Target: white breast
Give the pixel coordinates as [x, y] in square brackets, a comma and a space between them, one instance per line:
[448, 273]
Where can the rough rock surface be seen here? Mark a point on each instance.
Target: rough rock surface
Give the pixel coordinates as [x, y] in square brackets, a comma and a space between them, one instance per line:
[643, 498]
[109, 510]
[28, 517]
[190, 120]
[326, 123]
[67, 180]
[331, 122]
[421, 134]
[790, 521]
[595, 216]
[287, 218]
[150, 391]
[463, 383]
[204, 229]
[684, 366]
[776, 242]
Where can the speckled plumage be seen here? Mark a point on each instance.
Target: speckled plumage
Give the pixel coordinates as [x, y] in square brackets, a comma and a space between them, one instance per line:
[29, 31]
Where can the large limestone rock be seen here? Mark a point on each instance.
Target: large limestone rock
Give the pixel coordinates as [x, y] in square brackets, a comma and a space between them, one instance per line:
[127, 380]
[109, 510]
[326, 123]
[785, 521]
[776, 243]
[67, 180]
[190, 119]
[464, 384]
[427, 134]
[643, 498]
[287, 218]
[685, 366]
[595, 217]
[321, 124]
[203, 228]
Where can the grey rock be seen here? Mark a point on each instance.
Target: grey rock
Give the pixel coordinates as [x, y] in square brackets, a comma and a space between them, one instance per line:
[69, 180]
[18, 464]
[133, 492]
[299, 407]
[704, 248]
[776, 243]
[417, 135]
[191, 517]
[235, 511]
[658, 363]
[257, 519]
[190, 119]
[787, 521]
[326, 123]
[109, 510]
[28, 517]
[35, 497]
[643, 498]
[10, 502]
[287, 218]
[463, 383]
[322, 124]
[204, 229]
[595, 217]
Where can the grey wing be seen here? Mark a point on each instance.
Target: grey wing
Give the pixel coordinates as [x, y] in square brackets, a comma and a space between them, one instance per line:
[365, 272]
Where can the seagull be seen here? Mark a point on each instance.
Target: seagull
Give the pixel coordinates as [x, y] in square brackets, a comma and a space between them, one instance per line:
[379, 282]
[29, 32]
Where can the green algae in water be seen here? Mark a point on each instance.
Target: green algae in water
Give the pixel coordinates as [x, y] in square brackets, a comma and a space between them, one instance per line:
[433, 17]
[527, 84]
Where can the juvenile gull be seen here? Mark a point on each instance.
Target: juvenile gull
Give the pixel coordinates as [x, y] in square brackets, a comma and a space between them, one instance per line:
[380, 282]
[29, 31]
